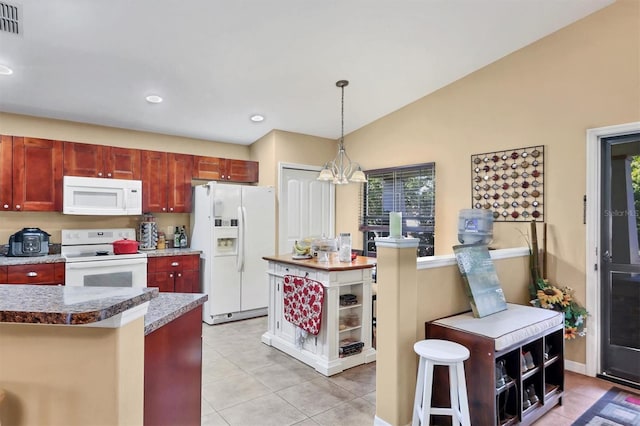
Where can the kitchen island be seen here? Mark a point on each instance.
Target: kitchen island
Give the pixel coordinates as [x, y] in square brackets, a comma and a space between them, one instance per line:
[344, 337]
[82, 355]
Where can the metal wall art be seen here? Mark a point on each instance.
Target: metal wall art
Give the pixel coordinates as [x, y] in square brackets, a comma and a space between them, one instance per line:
[510, 183]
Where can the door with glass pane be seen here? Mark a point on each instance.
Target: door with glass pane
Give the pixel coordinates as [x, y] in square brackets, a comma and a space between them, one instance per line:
[620, 281]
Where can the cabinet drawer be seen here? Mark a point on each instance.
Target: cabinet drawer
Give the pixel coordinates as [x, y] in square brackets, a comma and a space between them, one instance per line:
[49, 273]
[169, 263]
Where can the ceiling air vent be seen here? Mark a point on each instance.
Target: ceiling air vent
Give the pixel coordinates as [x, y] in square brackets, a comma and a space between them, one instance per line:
[9, 21]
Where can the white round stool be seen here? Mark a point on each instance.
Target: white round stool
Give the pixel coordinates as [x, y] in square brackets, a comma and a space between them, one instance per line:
[452, 355]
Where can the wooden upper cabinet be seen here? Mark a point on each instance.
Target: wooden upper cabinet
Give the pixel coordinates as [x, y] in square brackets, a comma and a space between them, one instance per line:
[166, 182]
[154, 181]
[214, 168]
[209, 168]
[241, 171]
[123, 163]
[6, 173]
[37, 174]
[180, 167]
[81, 159]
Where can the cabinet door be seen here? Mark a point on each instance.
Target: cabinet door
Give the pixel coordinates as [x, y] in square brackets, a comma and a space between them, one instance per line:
[179, 190]
[241, 171]
[6, 172]
[284, 329]
[37, 174]
[209, 168]
[82, 159]
[163, 280]
[122, 163]
[154, 181]
[187, 282]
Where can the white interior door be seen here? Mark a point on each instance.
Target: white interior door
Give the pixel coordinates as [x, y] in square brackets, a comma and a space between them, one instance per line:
[306, 205]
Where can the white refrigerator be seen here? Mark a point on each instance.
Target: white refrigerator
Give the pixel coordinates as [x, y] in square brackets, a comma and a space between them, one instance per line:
[234, 227]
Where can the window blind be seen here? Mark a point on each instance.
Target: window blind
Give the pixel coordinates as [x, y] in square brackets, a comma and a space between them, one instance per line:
[407, 189]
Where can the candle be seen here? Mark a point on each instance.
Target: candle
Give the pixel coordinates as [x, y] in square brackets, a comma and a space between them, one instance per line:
[395, 224]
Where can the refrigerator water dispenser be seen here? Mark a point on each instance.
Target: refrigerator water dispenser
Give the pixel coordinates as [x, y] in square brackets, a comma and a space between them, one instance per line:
[226, 241]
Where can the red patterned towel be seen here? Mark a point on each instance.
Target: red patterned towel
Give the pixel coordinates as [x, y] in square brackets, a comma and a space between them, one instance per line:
[303, 302]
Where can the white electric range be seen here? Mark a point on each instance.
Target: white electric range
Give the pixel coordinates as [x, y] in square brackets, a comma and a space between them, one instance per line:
[91, 262]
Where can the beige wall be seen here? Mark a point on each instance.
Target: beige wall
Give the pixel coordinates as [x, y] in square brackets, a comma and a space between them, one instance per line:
[584, 76]
[285, 147]
[72, 375]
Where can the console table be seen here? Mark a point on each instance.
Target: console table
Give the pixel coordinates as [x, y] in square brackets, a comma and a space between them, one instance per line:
[505, 337]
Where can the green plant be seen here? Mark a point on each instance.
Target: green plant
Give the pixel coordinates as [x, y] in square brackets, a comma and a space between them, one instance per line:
[545, 295]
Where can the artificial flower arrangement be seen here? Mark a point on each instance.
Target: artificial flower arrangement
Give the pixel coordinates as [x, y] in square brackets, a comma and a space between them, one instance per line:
[549, 296]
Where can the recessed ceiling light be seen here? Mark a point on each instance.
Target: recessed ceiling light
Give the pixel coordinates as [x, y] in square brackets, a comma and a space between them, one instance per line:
[5, 70]
[257, 118]
[154, 99]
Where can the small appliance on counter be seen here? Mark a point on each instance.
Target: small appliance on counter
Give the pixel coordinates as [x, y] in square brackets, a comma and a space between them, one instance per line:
[322, 247]
[29, 242]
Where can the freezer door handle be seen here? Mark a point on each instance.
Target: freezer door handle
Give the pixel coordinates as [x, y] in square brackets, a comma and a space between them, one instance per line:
[240, 258]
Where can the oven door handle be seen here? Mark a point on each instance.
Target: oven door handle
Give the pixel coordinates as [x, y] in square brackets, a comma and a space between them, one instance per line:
[104, 263]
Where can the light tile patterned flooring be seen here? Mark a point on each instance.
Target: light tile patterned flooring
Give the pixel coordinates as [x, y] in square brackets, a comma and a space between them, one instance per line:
[247, 383]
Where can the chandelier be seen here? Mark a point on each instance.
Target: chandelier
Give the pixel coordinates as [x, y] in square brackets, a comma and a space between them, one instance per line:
[342, 170]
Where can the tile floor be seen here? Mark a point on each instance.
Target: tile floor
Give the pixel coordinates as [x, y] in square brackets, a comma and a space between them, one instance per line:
[247, 383]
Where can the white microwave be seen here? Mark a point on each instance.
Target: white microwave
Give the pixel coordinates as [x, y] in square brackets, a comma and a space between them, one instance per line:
[100, 196]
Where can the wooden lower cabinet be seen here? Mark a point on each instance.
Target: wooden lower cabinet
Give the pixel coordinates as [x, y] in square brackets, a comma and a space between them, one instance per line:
[173, 372]
[179, 274]
[528, 392]
[40, 273]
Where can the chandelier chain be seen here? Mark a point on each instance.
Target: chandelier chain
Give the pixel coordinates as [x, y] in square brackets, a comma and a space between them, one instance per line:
[342, 117]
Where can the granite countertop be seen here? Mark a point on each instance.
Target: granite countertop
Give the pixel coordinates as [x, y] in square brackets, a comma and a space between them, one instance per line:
[361, 262]
[50, 258]
[45, 304]
[172, 252]
[169, 306]
[56, 258]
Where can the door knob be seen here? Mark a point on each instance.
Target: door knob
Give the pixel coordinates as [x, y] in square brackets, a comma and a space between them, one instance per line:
[607, 257]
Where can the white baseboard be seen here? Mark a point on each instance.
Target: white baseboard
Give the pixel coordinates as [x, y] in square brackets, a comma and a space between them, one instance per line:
[377, 421]
[576, 367]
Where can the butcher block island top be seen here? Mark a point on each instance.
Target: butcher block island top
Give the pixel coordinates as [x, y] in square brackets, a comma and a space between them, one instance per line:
[360, 262]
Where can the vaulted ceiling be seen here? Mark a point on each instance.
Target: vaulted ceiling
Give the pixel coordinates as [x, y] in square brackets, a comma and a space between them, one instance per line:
[215, 63]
